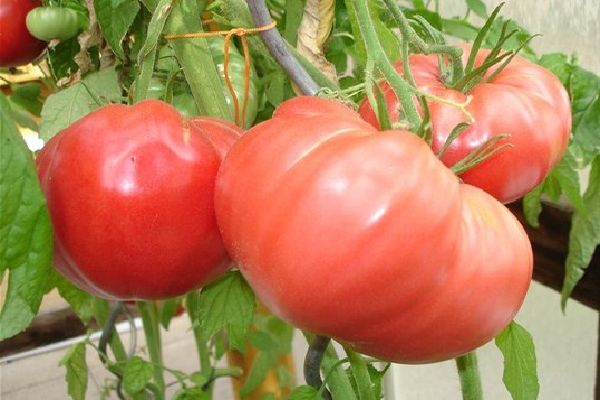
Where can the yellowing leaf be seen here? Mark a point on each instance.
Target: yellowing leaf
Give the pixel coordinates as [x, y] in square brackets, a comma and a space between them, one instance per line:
[314, 31]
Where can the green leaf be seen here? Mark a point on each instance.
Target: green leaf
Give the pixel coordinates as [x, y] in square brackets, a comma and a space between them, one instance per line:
[147, 54]
[336, 377]
[65, 107]
[305, 392]
[532, 205]
[478, 7]
[115, 18]
[25, 230]
[584, 89]
[521, 36]
[192, 394]
[27, 96]
[584, 237]
[136, 375]
[261, 340]
[261, 365]
[360, 376]
[81, 302]
[567, 176]
[194, 56]
[459, 28]
[228, 303]
[77, 371]
[520, 374]
[387, 39]
[167, 311]
[62, 58]
[585, 105]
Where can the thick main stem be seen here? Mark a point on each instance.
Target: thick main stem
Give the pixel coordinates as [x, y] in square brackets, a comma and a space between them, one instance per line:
[153, 343]
[279, 50]
[470, 381]
[375, 51]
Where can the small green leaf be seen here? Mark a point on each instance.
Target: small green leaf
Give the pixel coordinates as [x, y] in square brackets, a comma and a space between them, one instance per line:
[459, 28]
[228, 303]
[65, 107]
[520, 374]
[27, 96]
[62, 58]
[167, 311]
[81, 302]
[305, 392]
[115, 17]
[192, 394]
[532, 205]
[261, 340]
[147, 54]
[584, 237]
[136, 375]
[25, 230]
[196, 60]
[567, 176]
[584, 89]
[259, 369]
[77, 371]
[478, 7]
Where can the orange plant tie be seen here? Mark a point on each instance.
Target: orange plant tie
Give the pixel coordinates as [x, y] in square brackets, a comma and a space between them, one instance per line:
[240, 32]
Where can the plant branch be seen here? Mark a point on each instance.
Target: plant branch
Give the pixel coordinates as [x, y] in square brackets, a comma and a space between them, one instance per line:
[191, 302]
[279, 50]
[409, 35]
[403, 89]
[470, 381]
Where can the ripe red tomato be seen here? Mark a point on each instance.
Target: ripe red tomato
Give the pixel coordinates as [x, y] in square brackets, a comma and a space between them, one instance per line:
[17, 46]
[367, 237]
[130, 192]
[524, 100]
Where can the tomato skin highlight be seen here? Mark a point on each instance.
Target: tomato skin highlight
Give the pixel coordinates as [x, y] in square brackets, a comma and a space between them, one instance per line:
[525, 101]
[367, 237]
[130, 193]
[17, 46]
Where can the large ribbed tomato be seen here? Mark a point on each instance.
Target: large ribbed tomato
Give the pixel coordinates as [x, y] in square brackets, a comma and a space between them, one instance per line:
[17, 46]
[367, 237]
[524, 100]
[130, 192]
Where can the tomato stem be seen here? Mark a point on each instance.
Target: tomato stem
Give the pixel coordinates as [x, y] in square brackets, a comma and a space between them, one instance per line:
[191, 303]
[375, 51]
[312, 364]
[410, 36]
[273, 40]
[150, 322]
[470, 380]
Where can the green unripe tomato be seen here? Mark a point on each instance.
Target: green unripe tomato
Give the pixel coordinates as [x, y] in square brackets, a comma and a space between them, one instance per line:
[47, 23]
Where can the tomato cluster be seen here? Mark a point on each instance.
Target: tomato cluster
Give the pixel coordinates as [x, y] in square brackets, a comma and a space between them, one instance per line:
[341, 229]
